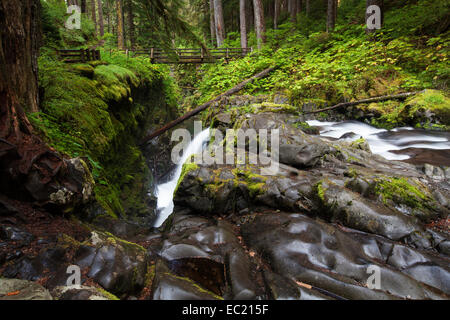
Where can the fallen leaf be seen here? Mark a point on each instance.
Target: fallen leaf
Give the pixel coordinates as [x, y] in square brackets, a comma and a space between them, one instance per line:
[15, 293]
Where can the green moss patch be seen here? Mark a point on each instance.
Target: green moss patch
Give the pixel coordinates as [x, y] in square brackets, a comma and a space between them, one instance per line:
[402, 191]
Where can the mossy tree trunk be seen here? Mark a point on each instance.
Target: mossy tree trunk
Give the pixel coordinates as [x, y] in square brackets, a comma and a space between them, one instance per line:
[120, 28]
[131, 28]
[29, 169]
[101, 25]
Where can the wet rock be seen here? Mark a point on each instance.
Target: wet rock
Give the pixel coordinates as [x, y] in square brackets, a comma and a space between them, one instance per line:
[35, 268]
[167, 286]
[282, 288]
[242, 282]
[7, 209]
[26, 290]
[356, 212]
[81, 293]
[327, 258]
[206, 272]
[117, 265]
[301, 156]
[9, 233]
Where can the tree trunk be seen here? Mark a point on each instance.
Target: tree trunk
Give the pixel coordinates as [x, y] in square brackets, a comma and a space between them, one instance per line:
[308, 7]
[212, 22]
[380, 4]
[260, 24]
[220, 24]
[243, 23]
[29, 170]
[101, 24]
[83, 6]
[276, 13]
[330, 15]
[131, 28]
[120, 29]
[108, 16]
[293, 10]
[94, 15]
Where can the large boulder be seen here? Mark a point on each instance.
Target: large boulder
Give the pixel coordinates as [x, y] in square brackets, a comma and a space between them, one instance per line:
[14, 289]
[117, 265]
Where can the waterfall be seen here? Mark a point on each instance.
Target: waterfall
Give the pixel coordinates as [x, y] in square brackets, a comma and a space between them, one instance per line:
[165, 192]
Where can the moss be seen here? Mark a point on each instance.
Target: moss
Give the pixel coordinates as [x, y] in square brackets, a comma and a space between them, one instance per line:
[401, 191]
[320, 191]
[430, 100]
[412, 112]
[99, 119]
[107, 294]
[255, 183]
[187, 167]
[198, 287]
[84, 70]
[126, 244]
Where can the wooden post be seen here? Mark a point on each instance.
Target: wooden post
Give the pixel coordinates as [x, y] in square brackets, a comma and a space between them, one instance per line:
[152, 55]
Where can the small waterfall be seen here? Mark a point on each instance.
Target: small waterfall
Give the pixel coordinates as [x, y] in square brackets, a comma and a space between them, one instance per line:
[165, 192]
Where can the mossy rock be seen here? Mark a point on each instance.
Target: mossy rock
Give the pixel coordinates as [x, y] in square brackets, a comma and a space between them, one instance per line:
[433, 101]
[84, 70]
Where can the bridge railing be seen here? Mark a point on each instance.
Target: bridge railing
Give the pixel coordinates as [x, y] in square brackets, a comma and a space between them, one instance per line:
[189, 55]
[79, 55]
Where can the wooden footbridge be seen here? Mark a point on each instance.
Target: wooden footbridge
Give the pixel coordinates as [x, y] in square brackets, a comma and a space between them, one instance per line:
[159, 56]
[186, 56]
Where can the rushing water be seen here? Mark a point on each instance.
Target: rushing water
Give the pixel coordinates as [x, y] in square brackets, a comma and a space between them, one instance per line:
[387, 143]
[164, 192]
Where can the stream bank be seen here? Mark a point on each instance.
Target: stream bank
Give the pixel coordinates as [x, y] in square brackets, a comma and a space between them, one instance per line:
[312, 231]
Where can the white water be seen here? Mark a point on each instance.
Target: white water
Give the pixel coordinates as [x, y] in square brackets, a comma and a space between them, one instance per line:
[164, 192]
[383, 141]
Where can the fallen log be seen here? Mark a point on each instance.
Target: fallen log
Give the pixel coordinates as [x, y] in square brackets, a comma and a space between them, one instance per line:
[370, 100]
[204, 106]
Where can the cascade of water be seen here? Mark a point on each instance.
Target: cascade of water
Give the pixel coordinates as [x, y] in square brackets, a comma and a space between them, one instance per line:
[165, 192]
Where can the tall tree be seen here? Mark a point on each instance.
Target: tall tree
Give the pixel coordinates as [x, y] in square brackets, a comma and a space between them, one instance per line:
[212, 21]
[331, 15]
[131, 28]
[276, 14]
[260, 24]
[120, 27]
[293, 10]
[308, 7]
[83, 6]
[101, 24]
[29, 169]
[220, 24]
[243, 23]
[380, 4]
[94, 15]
